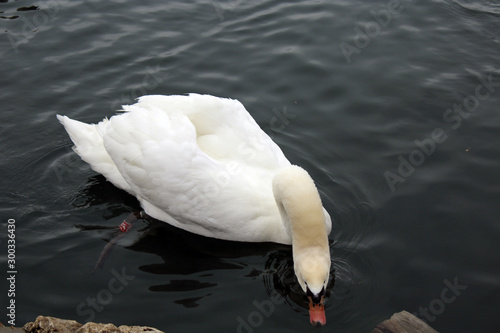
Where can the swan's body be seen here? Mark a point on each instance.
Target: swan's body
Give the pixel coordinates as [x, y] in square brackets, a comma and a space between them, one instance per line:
[202, 164]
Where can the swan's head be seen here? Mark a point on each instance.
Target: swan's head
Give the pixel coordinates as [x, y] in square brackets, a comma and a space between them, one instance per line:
[312, 269]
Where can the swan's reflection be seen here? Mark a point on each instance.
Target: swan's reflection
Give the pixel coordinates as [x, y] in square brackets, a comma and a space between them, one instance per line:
[194, 256]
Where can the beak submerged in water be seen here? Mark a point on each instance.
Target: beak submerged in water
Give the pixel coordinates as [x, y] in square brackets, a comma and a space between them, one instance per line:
[317, 308]
[317, 312]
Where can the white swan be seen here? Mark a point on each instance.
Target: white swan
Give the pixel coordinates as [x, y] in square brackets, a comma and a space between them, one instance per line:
[201, 163]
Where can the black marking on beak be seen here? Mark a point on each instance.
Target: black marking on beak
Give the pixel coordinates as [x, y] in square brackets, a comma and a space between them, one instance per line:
[316, 299]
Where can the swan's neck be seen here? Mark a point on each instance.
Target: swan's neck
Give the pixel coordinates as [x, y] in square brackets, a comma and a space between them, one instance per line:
[301, 210]
[303, 215]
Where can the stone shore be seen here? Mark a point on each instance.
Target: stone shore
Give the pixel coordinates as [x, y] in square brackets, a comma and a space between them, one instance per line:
[400, 322]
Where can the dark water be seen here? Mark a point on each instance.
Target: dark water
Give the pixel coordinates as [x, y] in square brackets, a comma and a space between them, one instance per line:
[392, 106]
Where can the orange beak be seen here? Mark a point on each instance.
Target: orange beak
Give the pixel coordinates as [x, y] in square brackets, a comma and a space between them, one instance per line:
[317, 312]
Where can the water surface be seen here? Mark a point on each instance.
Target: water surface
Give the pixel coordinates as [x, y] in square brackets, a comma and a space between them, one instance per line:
[364, 84]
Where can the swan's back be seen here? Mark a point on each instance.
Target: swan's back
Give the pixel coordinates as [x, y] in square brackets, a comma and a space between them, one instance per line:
[224, 129]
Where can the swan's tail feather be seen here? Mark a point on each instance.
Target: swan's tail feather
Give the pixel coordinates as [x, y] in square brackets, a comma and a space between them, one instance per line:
[86, 138]
[90, 147]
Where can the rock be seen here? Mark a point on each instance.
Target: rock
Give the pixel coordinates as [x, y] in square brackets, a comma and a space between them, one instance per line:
[50, 324]
[403, 322]
[138, 329]
[44, 324]
[93, 327]
[4, 329]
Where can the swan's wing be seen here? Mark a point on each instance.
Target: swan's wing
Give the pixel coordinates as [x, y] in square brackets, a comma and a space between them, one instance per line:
[224, 129]
[157, 154]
